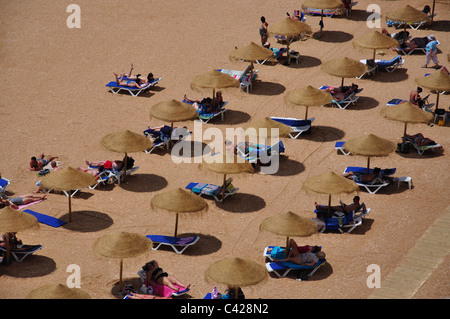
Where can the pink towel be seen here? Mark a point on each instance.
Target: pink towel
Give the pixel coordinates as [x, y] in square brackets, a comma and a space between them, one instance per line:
[26, 205]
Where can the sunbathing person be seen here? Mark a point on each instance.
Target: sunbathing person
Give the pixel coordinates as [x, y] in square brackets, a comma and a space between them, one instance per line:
[341, 92]
[138, 83]
[23, 199]
[414, 97]
[217, 101]
[297, 16]
[373, 177]
[418, 42]
[36, 164]
[420, 140]
[294, 249]
[205, 106]
[150, 78]
[7, 202]
[155, 275]
[306, 259]
[93, 171]
[109, 165]
[342, 208]
[14, 242]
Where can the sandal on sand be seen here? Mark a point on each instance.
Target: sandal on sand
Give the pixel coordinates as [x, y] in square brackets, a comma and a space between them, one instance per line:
[424, 66]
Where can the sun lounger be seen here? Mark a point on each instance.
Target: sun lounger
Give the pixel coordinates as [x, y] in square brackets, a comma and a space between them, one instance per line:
[20, 254]
[4, 183]
[134, 91]
[340, 147]
[213, 190]
[412, 25]
[254, 152]
[409, 51]
[423, 148]
[387, 65]
[178, 244]
[163, 138]
[117, 176]
[349, 99]
[363, 170]
[49, 190]
[375, 185]
[340, 220]
[281, 269]
[298, 126]
[46, 219]
[426, 106]
[239, 75]
[206, 117]
[325, 13]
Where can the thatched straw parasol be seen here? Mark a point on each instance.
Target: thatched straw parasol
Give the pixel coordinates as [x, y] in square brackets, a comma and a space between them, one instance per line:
[289, 224]
[370, 145]
[407, 14]
[58, 291]
[344, 68]
[12, 221]
[438, 82]
[122, 245]
[68, 179]
[214, 80]
[374, 40]
[407, 113]
[126, 142]
[251, 53]
[289, 28]
[308, 96]
[322, 5]
[226, 164]
[330, 183]
[267, 128]
[236, 272]
[179, 201]
[173, 111]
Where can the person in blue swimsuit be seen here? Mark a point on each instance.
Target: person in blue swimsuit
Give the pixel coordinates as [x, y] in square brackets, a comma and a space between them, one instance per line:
[130, 83]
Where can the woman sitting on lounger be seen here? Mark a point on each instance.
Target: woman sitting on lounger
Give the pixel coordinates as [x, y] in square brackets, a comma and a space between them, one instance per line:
[342, 208]
[156, 275]
[130, 83]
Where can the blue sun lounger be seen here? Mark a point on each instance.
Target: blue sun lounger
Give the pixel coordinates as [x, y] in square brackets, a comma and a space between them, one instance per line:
[20, 254]
[213, 190]
[134, 91]
[298, 126]
[4, 183]
[178, 244]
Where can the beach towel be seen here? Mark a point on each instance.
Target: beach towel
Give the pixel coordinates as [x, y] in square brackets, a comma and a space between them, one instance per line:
[164, 291]
[29, 204]
[45, 219]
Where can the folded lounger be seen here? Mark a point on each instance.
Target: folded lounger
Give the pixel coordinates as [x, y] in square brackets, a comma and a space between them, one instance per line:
[349, 99]
[20, 254]
[298, 126]
[134, 91]
[281, 269]
[421, 149]
[213, 190]
[4, 183]
[339, 220]
[178, 244]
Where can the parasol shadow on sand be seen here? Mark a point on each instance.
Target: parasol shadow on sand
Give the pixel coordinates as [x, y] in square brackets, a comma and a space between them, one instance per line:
[407, 113]
[173, 111]
[330, 183]
[251, 53]
[322, 5]
[12, 221]
[370, 145]
[68, 179]
[289, 28]
[126, 142]
[179, 201]
[344, 68]
[374, 40]
[290, 225]
[437, 82]
[58, 291]
[214, 80]
[122, 245]
[226, 164]
[308, 96]
[236, 272]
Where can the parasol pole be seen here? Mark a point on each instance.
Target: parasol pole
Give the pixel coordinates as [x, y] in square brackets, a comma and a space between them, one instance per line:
[120, 276]
[125, 167]
[342, 82]
[171, 130]
[176, 224]
[287, 245]
[251, 71]
[8, 249]
[306, 114]
[437, 101]
[329, 205]
[432, 11]
[70, 204]
[404, 134]
[368, 164]
[223, 187]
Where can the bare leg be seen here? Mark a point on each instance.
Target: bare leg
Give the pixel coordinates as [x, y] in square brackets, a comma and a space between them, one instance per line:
[131, 69]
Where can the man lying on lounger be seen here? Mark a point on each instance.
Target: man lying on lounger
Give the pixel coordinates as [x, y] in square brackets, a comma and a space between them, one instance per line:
[420, 140]
[341, 92]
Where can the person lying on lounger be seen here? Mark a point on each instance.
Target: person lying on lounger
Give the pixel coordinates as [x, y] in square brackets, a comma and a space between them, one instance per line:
[156, 275]
[418, 42]
[217, 101]
[14, 242]
[366, 178]
[420, 140]
[23, 199]
[138, 83]
[93, 171]
[344, 208]
[130, 76]
[341, 92]
[7, 202]
[36, 164]
[116, 165]
[307, 259]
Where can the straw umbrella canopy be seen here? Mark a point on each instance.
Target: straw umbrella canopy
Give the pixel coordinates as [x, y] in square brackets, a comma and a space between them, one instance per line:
[179, 201]
[214, 80]
[289, 224]
[438, 82]
[374, 40]
[236, 272]
[330, 183]
[251, 53]
[344, 68]
[227, 164]
[173, 111]
[322, 5]
[267, 128]
[126, 142]
[68, 179]
[308, 96]
[289, 28]
[407, 113]
[370, 145]
[407, 14]
[122, 245]
[12, 221]
[58, 291]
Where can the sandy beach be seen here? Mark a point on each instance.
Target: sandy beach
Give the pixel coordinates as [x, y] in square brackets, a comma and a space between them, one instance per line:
[55, 102]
